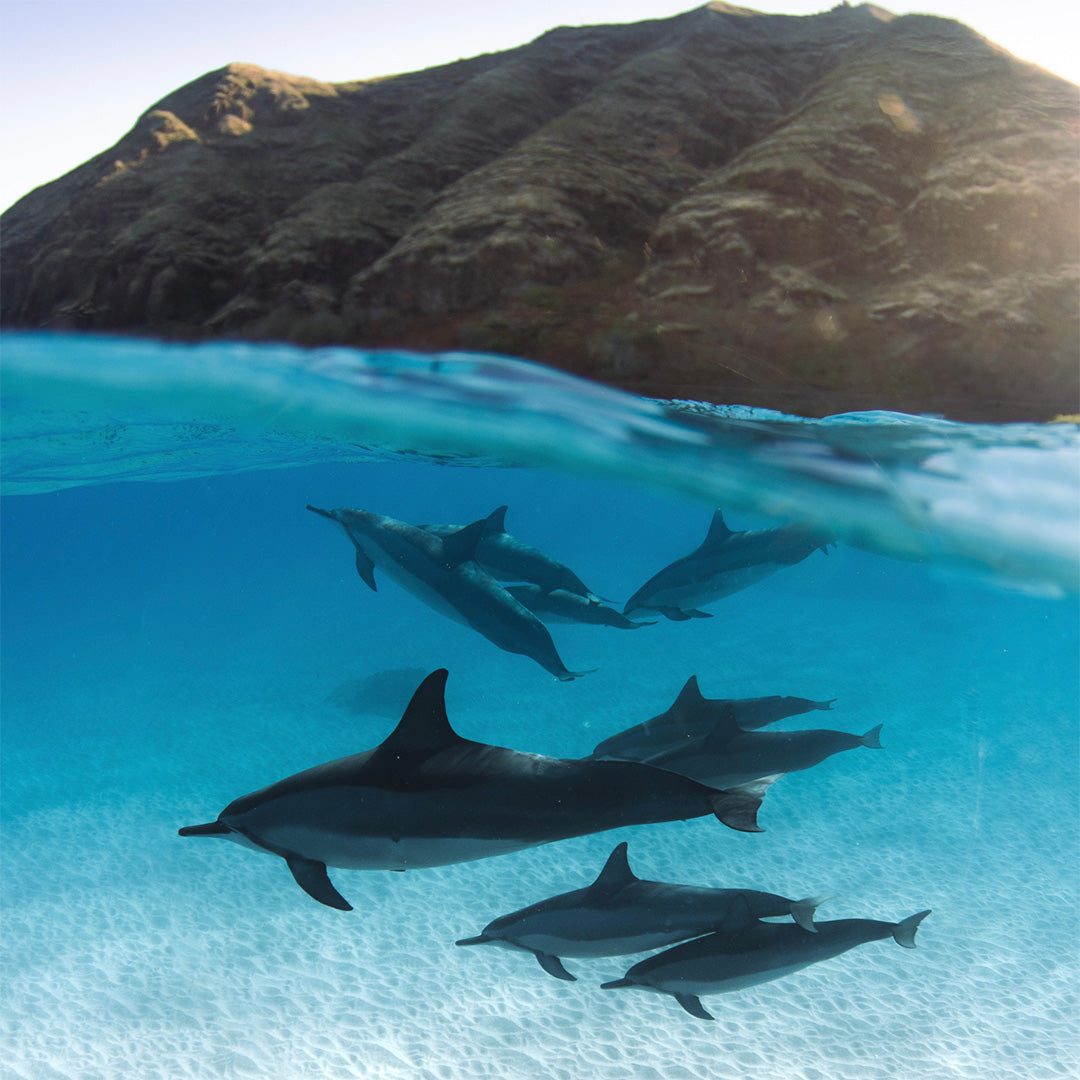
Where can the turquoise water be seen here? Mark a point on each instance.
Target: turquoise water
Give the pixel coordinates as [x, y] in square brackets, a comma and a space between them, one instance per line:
[177, 630]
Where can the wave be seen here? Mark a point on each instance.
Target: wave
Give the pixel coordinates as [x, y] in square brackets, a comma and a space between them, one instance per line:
[999, 501]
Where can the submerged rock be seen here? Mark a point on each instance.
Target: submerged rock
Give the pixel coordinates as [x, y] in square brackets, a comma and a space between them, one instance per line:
[845, 210]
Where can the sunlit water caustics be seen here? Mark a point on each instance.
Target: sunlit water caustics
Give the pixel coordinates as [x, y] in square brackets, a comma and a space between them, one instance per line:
[178, 631]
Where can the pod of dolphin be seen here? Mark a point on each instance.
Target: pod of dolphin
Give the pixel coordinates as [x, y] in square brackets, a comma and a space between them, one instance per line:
[425, 796]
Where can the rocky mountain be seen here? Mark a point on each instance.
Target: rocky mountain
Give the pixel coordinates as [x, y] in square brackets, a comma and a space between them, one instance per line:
[846, 210]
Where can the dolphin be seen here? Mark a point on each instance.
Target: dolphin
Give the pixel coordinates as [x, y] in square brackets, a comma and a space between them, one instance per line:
[693, 715]
[620, 913]
[722, 962]
[559, 605]
[728, 758]
[725, 562]
[427, 797]
[442, 572]
[505, 557]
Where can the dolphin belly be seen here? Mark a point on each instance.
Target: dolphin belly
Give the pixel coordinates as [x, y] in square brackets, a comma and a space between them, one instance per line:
[702, 978]
[712, 772]
[585, 931]
[387, 852]
[374, 829]
[752, 755]
[592, 934]
[710, 588]
[423, 591]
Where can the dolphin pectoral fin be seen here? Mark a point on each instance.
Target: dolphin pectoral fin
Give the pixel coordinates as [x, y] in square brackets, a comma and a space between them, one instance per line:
[679, 615]
[570, 676]
[737, 810]
[553, 966]
[674, 614]
[693, 1006]
[480, 939]
[737, 807]
[364, 566]
[904, 931]
[802, 911]
[311, 876]
[366, 569]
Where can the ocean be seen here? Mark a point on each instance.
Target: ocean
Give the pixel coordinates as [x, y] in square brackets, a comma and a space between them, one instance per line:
[177, 631]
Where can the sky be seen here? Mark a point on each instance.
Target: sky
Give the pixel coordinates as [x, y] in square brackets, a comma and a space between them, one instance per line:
[76, 74]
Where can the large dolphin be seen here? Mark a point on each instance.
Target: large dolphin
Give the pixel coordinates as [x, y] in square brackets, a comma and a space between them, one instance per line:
[728, 758]
[427, 797]
[723, 962]
[508, 559]
[442, 572]
[692, 715]
[620, 913]
[559, 605]
[725, 562]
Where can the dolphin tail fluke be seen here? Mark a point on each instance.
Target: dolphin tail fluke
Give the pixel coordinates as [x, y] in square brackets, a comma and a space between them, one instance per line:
[480, 939]
[873, 738]
[825, 706]
[692, 1004]
[737, 807]
[554, 966]
[311, 876]
[802, 911]
[904, 931]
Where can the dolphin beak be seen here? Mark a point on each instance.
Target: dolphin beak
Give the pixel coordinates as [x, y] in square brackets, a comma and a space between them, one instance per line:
[211, 828]
[325, 513]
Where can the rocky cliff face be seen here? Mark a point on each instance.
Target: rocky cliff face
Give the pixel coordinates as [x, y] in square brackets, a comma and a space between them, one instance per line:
[847, 210]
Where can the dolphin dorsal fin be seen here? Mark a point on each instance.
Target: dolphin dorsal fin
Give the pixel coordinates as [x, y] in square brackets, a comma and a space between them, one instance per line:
[691, 704]
[718, 532]
[495, 522]
[616, 872]
[460, 546]
[689, 695]
[424, 727]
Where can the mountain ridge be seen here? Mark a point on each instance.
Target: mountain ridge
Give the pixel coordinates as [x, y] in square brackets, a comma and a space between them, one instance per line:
[814, 213]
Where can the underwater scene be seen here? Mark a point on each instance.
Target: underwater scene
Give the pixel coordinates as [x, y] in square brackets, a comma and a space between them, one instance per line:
[714, 742]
